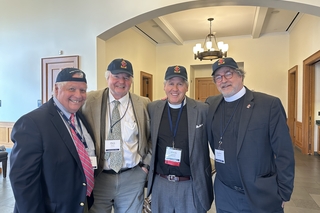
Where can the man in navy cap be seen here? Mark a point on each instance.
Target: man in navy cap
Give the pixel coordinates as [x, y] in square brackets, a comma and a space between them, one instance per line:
[253, 150]
[121, 130]
[180, 170]
[53, 155]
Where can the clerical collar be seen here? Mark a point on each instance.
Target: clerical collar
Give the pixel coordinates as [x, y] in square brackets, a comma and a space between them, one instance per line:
[177, 106]
[236, 96]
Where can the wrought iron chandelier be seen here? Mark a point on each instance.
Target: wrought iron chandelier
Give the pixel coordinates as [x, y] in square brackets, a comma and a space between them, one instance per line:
[210, 53]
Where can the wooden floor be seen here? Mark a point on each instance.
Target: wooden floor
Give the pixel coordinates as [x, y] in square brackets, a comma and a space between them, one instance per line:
[305, 197]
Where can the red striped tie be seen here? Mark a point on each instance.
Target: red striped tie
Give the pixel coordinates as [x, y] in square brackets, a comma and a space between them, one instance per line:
[84, 157]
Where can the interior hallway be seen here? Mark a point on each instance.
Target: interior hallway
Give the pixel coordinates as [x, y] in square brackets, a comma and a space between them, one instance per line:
[305, 197]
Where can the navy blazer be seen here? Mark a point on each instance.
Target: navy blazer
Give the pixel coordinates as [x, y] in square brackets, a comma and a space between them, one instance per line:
[199, 157]
[265, 156]
[46, 173]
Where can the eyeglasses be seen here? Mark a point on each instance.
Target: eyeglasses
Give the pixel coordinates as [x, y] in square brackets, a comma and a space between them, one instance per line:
[227, 75]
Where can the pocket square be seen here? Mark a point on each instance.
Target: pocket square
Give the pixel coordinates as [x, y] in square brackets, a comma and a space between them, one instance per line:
[198, 126]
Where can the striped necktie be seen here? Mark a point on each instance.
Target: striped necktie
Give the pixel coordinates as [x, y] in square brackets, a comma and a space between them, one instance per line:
[84, 158]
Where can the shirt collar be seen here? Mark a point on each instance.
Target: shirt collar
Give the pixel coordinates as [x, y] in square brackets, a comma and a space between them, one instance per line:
[61, 107]
[123, 101]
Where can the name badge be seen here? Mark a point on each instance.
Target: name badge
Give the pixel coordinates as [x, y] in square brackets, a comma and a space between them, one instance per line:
[112, 145]
[219, 155]
[93, 162]
[173, 156]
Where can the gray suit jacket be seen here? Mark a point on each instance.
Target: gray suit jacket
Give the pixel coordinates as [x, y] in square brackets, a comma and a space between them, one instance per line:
[198, 148]
[95, 109]
[265, 156]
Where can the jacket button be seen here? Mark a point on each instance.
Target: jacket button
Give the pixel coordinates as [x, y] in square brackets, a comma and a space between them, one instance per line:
[81, 204]
[84, 184]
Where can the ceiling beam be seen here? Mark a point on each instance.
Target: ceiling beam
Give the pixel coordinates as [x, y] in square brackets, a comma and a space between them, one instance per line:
[169, 30]
[259, 20]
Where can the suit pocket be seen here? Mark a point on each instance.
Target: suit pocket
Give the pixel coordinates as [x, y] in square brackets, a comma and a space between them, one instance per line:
[266, 187]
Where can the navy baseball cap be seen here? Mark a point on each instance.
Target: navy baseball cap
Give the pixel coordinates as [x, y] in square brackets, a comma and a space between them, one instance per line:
[71, 74]
[176, 71]
[224, 62]
[120, 66]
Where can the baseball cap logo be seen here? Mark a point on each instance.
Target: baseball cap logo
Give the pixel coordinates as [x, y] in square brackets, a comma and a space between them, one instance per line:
[221, 61]
[123, 64]
[176, 69]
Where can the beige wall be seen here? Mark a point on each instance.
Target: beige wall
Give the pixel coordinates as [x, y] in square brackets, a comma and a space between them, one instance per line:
[132, 46]
[264, 64]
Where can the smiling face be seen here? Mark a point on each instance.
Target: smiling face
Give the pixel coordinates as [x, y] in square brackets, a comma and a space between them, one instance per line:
[71, 94]
[228, 87]
[175, 89]
[119, 84]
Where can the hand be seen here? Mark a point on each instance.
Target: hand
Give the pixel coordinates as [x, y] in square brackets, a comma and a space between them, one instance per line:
[164, 98]
[145, 170]
[283, 202]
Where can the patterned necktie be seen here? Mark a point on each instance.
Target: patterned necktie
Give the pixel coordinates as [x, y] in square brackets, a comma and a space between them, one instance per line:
[115, 134]
[84, 158]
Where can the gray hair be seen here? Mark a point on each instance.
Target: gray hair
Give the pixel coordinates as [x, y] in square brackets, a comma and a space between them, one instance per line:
[59, 85]
[240, 72]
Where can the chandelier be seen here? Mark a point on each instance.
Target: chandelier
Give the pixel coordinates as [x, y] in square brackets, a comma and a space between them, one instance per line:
[210, 53]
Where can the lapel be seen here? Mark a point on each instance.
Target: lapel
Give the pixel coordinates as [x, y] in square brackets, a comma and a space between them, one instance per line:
[97, 106]
[137, 108]
[100, 111]
[192, 114]
[62, 130]
[157, 119]
[213, 105]
[246, 112]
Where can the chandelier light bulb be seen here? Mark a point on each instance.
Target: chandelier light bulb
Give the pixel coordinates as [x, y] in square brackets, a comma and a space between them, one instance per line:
[225, 47]
[209, 45]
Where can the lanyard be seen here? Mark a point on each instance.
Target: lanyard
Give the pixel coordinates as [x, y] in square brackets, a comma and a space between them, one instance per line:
[112, 125]
[82, 139]
[170, 122]
[222, 131]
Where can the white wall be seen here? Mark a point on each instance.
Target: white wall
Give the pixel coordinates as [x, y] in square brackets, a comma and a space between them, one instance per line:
[31, 30]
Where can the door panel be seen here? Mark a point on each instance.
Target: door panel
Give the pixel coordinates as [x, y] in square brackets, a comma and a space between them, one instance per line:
[50, 69]
[205, 87]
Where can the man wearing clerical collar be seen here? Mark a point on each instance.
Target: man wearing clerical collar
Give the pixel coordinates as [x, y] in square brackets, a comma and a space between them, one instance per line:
[253, 150]
[180, 170]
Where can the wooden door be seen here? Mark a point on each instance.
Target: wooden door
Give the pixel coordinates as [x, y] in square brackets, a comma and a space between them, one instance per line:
[205, 87]
[146, 85]
[292, 104]
[308, 100]
[50, 69]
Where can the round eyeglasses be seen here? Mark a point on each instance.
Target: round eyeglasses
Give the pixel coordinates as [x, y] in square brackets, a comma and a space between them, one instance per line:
[218, 78]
